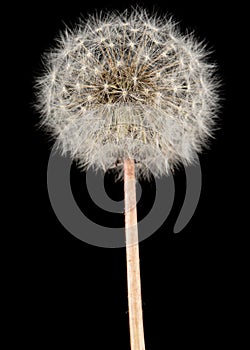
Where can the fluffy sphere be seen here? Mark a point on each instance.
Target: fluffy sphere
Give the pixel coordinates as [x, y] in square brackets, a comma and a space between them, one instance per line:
[128, 85]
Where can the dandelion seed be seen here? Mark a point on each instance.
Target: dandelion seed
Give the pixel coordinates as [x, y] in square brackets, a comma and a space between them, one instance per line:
[105, 87]
[134, 30]
[124, 93]
[131, 44]
[134, 80]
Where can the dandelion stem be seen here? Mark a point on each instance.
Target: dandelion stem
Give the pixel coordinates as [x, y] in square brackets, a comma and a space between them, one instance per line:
[133, 263]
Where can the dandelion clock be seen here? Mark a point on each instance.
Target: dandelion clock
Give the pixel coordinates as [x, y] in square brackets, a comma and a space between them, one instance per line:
[128, 91]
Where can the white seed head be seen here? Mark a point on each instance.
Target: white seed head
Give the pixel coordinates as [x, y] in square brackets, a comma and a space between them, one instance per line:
[128, 85]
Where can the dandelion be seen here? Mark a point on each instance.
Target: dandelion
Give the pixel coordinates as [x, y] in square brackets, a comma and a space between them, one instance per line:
[128, 90]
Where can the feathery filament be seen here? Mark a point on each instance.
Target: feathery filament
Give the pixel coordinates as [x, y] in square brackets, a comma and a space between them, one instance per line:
[128, 86]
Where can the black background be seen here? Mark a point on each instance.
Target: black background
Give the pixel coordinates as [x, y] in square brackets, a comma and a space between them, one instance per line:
[66, 291]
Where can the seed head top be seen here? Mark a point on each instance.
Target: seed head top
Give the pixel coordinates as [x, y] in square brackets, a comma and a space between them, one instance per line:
[128, 85]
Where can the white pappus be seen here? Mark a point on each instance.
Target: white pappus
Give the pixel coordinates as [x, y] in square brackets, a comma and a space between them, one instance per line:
[128, 85]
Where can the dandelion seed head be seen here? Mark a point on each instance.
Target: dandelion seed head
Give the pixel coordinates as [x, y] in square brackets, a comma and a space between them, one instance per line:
[129, 85]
